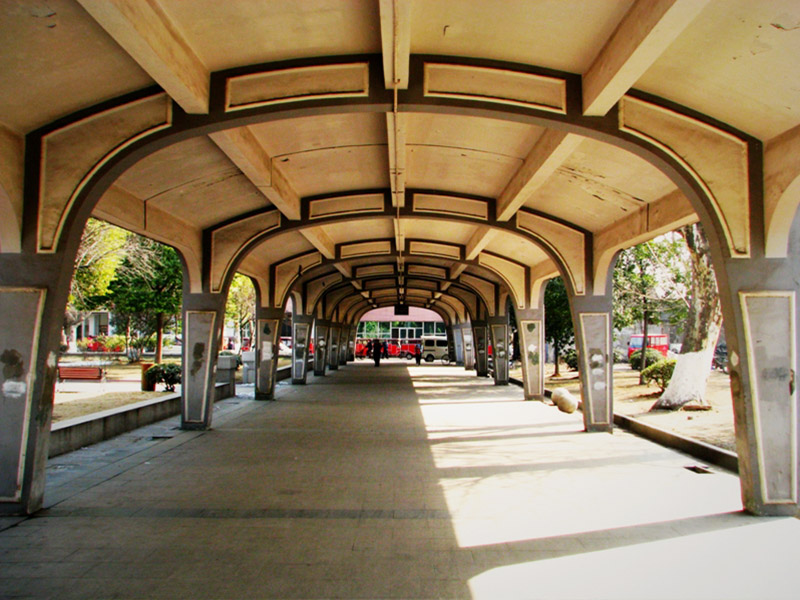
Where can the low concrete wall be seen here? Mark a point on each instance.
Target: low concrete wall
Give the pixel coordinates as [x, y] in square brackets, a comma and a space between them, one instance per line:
[71, 434]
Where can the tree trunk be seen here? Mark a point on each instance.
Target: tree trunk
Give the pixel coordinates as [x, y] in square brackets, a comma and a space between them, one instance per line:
[159, 337]
[703, 324]
[556, 353]
[645, 341]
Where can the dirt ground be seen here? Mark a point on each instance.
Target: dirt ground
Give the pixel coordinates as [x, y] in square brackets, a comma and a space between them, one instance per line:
[71, 404]
[714, 426]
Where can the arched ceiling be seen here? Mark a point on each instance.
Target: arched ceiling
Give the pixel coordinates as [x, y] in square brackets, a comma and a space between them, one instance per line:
[411, 148]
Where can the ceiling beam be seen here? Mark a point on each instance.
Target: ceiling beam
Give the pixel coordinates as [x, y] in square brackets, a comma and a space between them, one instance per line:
[245, 151]
[320, 240]
[146, 33]
[479, 240]
[396, 42]
[549, 153]
[396, 125]
[645, 32]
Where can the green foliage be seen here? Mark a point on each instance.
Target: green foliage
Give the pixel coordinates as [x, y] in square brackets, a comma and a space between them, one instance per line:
[557, 317]
[167, 373]
[650, 280]
[571, 358]
[620, 356]
[660, 372]
[240, 306]
[653, 356]
[98, 257]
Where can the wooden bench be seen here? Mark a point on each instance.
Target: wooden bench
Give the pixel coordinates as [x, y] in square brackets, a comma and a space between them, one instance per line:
[82, 373]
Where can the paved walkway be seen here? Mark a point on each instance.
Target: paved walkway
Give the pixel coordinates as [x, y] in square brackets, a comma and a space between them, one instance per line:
[397, 482]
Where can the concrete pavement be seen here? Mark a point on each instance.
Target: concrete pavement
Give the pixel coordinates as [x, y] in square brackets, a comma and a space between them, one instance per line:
[396, 482]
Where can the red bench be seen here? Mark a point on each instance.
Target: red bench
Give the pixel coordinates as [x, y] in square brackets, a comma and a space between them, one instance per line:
[82, 373]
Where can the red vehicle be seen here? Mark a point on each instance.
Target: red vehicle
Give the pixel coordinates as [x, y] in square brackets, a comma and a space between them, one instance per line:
[656, 341]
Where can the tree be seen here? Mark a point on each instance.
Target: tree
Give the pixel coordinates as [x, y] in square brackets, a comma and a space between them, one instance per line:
[241, 304]
[558, 329]
[99, 255]
[146, 290]
[703, 324]
[649, 282]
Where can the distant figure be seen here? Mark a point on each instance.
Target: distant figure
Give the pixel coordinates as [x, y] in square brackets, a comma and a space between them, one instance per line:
[418, 353]
[376, 352]
[385, 349]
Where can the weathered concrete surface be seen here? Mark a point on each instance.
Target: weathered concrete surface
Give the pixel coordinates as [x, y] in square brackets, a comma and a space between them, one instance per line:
[401, 481]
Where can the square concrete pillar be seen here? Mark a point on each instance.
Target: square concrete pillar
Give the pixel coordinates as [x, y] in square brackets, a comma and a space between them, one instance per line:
[480, 333]
[469, 347]
[202, 325]
[301, 330]
[458, 343]
[333, 347]
[268, 330]
[499, 329]
[321, 340]
[531, 334]
[592, 319]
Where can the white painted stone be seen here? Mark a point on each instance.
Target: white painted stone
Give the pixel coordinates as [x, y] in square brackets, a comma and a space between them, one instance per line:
[565, 401]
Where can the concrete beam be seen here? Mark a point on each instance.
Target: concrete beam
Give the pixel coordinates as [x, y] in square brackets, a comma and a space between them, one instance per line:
[479, 240]
[146, 33]
[645, 32]
[781, 190]
[665, 214]
[396, 126]
[12, 168]
[320, 240]
[245, 151]
[395, 42]
[549, 153]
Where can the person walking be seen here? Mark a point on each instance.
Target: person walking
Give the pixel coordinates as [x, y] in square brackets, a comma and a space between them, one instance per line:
[376, 352]
[418, 353]
[385, 349]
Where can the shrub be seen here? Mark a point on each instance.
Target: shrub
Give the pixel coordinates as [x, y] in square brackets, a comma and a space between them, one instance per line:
[167, 373]
[115, 343]
[570, 357]
[653, 356]
[660, 372]
[83, 345]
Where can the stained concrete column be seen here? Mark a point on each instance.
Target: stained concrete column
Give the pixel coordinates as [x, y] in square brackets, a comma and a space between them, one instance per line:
[33, 295]
[592, 320]
[761, 311]
[321, 330]
[203, 316]
[469, 347]
[530, 324]
[458, 342]
[268, 329]
[301, 332]
[451, 340]
[333, 346]
[344, 335]
[499, 330]
[480, 332]
[351, 343]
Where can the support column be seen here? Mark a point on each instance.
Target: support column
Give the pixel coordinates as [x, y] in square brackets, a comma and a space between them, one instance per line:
[333, 348]
[33, 295]
[451, 340]
[351, 343]
[480, 331]
[530, 324]
[761, 330]
[458, 341]
[268, 329]
[301, 331]
[203, 316]
[498, 327]
[592, 318]
[469, 347]
[344, 334]
[321, 329]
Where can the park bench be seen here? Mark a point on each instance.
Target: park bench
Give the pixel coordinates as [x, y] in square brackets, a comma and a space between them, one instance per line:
[82, 373]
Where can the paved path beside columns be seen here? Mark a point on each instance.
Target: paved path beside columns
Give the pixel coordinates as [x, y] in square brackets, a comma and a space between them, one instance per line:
[396, 482]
